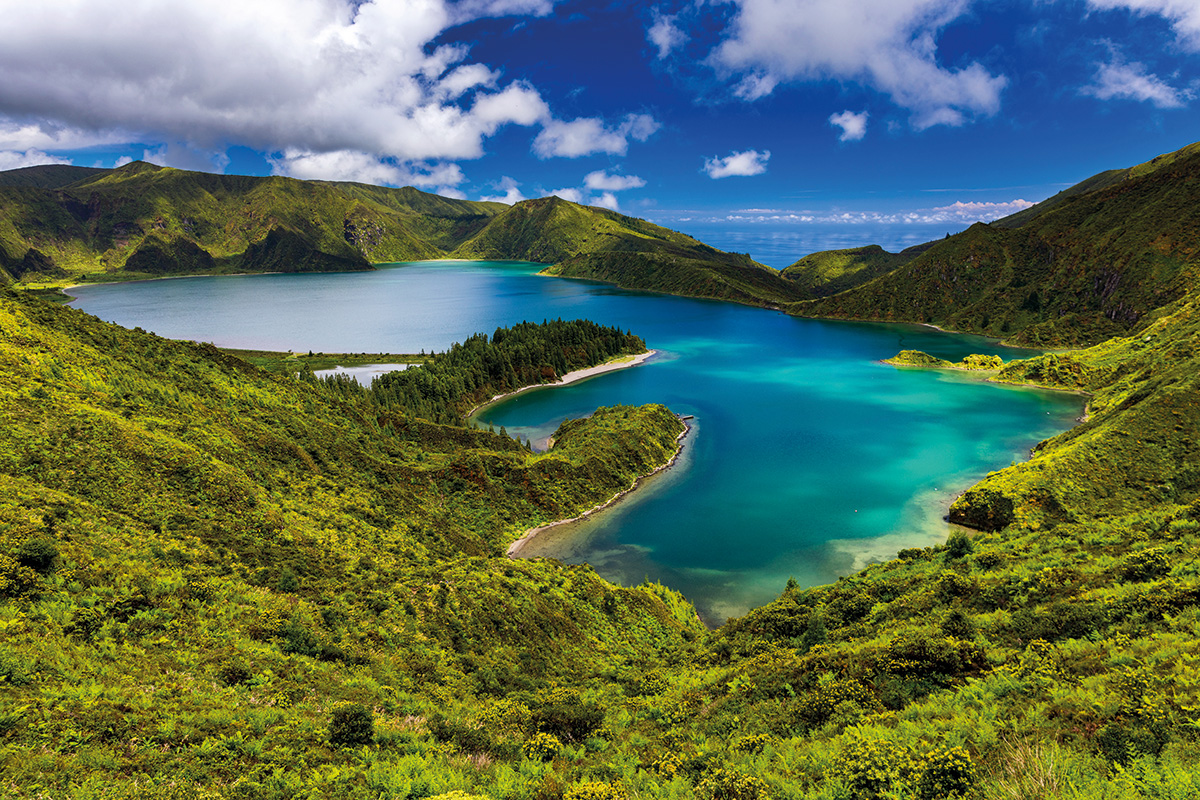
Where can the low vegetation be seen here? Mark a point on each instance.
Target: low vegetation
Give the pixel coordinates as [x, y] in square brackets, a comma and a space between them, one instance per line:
[216, 581]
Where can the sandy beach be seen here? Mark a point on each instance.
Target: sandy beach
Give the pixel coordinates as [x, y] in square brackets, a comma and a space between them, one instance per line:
[514, 549]
[571, 377]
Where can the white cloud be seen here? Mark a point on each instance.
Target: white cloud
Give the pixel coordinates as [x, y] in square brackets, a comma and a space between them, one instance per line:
[15, 159]
[587, 135]
[1184, 15]
[317, 76]
[1120, 81]
[749, 162]
[854, 126]
[955, 213]
[512, 194]
[352, 165]
[602, 181]
[572, 195]
[890, 45]
[607, 200]
[974, 211]
[665, 34]
[752, 87]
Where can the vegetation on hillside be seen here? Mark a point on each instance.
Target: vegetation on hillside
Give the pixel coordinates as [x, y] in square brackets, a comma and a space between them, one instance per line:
[140, 221]
[598, 244]
[832, 271]
[1093, 264]
[216, 581]
[448, 385]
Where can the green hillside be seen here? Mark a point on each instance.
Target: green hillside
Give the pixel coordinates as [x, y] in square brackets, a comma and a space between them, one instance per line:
[145, 221]
[1095, 263]
[594, 243]
[221, 582]
[832, 271]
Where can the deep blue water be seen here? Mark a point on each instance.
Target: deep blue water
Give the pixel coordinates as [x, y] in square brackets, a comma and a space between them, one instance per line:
[808, 457]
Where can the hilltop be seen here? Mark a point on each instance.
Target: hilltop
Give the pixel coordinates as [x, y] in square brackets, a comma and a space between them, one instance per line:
[598, 244]
[141, 220]
[1095, 261]
[60, 223]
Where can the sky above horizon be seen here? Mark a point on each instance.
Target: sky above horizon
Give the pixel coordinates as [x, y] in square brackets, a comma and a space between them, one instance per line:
[792, 116]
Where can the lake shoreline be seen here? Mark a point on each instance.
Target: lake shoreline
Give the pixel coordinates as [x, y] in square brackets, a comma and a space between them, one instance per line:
[514, 549]
[571, 377]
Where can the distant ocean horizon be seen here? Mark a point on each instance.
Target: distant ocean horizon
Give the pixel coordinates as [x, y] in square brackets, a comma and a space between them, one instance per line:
[780, 245]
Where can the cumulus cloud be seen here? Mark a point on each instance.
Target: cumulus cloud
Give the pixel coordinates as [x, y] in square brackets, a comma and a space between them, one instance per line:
[602, 181]
[665, 34]
[15, 159]
[1184, 15]
[512, 193]
[749, 162]
[588, 135]
[607, 200]
[352, 165]
[854, 126]
[569, 194]
[1120, 81]
[890, 45]
[317, 76]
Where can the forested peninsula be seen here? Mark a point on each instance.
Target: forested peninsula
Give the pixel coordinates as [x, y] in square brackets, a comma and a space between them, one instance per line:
[220, 582]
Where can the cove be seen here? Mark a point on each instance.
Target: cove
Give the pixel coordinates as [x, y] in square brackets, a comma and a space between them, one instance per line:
[808, 458]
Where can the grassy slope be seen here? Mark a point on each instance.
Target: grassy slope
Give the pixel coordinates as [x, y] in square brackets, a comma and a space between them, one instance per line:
[832, 271]
[239, 551]
[585, 242]
[1089, 267]
[144, 221]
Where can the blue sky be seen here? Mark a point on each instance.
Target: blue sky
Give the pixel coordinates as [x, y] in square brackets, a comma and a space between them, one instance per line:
[791, 115]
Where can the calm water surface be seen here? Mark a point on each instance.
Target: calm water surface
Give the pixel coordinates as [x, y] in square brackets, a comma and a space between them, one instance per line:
[808, 458]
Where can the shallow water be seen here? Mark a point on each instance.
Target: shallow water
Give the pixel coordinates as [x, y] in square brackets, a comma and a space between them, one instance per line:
[808, 458]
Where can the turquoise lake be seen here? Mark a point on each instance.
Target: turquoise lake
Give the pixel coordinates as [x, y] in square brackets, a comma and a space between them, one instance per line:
[808, 458]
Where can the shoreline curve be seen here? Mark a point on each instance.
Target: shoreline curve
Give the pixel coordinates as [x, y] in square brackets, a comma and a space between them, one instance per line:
[570, 377]
[514, 549]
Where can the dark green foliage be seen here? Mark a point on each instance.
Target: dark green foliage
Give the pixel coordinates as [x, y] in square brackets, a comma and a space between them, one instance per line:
[450, 383]
[351, 725]
[39, 555]
[566, 716]
[985, 509]
[959, 545]
[1145, 565]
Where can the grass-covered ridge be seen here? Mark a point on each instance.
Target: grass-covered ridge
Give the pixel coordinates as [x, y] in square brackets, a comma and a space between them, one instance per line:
[598, 244]
[832, 271]
[140, 221]
[1096, 262]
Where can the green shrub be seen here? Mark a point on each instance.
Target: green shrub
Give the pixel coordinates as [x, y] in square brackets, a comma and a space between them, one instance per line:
[351, 725]
[869, 768]
[568, 717]
[1145, 565]
[947, 772]
[728, 784]
[958, 625]
[959, 545]
[989, 559]
[542, 747]
[752, 744]
[595, 790]
[40, 555]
